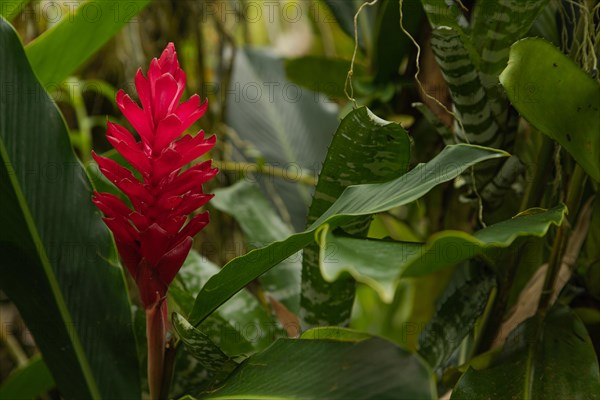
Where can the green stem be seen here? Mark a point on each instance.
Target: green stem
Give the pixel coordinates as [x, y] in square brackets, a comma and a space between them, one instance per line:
[536, 190]
[574, 194]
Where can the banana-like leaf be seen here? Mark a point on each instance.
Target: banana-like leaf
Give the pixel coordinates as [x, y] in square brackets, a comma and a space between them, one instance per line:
[544, 358]
[59, 51]
[381, 264]
[280, 123]
[365, 149]
[262, 226]
[355, 201]
[329, 369]
[551, 92]
[59, 264]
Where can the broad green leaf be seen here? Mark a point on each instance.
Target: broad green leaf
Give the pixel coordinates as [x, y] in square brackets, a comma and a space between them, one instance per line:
[30, 381]
[10, 9]
[328, 369]
[375, 263]
[365, 149]
[280, 124]
[59, 51]
[355, 201]
[53, 239]
[551, 92]
[455, 316]
[321, 74]
[544, 358]
[262, 226]
[381, 263]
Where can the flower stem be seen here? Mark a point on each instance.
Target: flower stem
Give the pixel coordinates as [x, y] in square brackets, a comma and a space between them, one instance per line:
[155, 333]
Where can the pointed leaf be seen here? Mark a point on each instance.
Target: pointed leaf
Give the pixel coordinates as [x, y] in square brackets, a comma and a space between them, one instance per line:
[381, 263]
[60, 50]
[355, 201]
[282, 124]
[241, 325]
[456, 316]
[208, 354]
[365, 149]
[58, 258]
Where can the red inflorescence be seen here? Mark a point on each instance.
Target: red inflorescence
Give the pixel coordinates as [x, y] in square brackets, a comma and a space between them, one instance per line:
[155, 237]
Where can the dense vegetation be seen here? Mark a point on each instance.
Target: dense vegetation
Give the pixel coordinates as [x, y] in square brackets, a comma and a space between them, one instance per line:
[406, 205]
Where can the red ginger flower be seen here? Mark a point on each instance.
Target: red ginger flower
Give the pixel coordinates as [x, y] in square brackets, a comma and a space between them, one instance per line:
[154, 239]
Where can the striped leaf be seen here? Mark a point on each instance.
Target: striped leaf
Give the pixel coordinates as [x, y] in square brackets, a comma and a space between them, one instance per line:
[386, 148]
[445, 13]
[456, 315]
[496, 25]
[209, 355]
[468, 94]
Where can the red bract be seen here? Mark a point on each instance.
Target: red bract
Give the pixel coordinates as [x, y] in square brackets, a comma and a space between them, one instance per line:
[155, 237]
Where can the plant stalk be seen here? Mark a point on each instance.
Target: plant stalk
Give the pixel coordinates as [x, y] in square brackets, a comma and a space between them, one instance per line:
[155, 334]
[535, 190]
[574, 195]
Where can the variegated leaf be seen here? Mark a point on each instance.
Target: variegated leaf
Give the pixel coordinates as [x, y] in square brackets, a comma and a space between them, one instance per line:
[365, 149]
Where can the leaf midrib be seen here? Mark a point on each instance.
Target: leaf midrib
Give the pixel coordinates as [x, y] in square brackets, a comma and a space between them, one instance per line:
[52, 280]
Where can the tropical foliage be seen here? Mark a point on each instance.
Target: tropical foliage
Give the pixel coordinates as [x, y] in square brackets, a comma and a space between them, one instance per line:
[406, 205]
